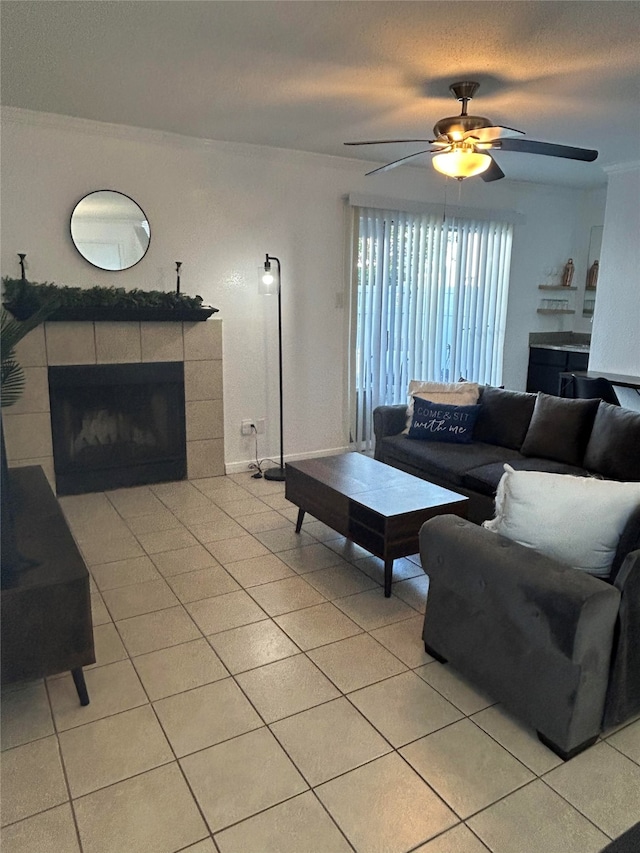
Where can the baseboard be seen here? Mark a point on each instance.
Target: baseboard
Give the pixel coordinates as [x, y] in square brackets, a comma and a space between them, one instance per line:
[241, 467]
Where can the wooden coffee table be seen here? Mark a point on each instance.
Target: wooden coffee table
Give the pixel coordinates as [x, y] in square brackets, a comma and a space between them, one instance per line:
[376, 506]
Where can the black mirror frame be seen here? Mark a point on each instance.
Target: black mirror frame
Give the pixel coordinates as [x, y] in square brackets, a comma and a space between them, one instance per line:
[82, 255]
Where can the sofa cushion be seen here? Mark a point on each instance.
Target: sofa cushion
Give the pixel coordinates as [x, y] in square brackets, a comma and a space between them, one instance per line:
[504, 416]
[575, 520]
[614, 445]
[486, 478]
[453, 393]
[442, 422]
[559, 428]
[443, 461]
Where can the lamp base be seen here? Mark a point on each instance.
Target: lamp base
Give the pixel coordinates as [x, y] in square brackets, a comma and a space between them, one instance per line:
[275, 474]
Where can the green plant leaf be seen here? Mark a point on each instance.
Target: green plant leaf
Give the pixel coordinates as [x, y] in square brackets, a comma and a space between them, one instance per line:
[13, 380]
[12, 331]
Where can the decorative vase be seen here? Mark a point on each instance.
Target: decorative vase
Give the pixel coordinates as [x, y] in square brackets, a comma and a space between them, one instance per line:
[567, 275]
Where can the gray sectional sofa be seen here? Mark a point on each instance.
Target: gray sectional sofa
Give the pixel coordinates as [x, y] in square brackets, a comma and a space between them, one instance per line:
[556, 646]
[534, 432]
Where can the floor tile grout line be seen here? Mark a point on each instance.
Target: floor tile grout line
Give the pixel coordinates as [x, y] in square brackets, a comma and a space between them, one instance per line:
[296, 610]
[308, 790]
[64, 769]
[506, 748]
[621, 752]
[246, 590]
[289, 757]
[439, 835]
[397, 749]
[574, 806]
[444, 696]
[268, 725]
[564, 764]
[68, 802]
[175, 758]
[412, 669]
[475, 835]
[145, 612]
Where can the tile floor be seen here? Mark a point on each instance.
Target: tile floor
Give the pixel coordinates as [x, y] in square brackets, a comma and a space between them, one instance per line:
[254, 692]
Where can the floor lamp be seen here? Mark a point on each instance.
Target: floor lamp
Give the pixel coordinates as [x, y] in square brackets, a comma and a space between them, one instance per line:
[268, 282]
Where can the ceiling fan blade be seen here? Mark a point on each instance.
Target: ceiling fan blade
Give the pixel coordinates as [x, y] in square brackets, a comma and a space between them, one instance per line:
[395, 163]
[493, 173]
[488, 134]
[386, 141]
[530, 146]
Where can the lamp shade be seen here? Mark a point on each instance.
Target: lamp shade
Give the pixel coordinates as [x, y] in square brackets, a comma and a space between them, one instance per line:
[267, 280]
[461, 162]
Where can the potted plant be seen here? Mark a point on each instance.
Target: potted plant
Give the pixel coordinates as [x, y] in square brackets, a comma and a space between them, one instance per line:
[12, 380]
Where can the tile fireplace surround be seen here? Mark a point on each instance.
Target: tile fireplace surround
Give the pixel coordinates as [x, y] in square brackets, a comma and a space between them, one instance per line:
[27, 425]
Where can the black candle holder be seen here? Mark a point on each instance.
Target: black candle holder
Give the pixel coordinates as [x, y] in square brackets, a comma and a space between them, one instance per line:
[22, 256]
[178, 265]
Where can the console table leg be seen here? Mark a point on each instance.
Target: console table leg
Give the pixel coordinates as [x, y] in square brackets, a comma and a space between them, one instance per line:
[81, 686]
[388, 572]
[299, 521]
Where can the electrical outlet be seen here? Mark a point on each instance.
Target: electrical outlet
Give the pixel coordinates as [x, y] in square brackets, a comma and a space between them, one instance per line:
[247, 426]
[261, 426]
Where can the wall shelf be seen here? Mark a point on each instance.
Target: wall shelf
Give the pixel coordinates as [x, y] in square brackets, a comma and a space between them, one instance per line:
[555, 287]
[556, 311]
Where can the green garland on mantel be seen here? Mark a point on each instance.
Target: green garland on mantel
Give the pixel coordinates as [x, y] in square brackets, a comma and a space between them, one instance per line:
[24, 298]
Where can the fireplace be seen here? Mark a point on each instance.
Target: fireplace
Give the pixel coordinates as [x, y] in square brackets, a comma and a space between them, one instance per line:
[196, 346]
[117, 425]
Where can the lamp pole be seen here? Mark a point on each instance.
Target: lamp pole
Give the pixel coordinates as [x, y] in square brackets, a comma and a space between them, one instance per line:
[277, 473]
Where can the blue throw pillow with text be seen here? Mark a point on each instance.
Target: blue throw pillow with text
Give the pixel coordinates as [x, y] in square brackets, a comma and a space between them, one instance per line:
[442, 422]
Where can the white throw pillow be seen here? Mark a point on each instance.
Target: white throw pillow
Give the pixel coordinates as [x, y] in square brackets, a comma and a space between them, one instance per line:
[575, 520]
[453, 393]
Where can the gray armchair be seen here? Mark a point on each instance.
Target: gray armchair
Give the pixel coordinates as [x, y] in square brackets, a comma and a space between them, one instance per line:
[557, 646]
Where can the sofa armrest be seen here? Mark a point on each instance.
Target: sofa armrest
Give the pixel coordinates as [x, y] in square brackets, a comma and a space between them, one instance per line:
[534, 633]
[623, 697]
[388, 420]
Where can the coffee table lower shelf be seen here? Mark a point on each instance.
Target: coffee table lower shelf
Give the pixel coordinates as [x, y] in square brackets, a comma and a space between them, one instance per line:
[372, 504]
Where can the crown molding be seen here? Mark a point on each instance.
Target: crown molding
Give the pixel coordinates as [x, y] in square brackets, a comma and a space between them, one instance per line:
[266, 153]
[629, 166]
[56, 121]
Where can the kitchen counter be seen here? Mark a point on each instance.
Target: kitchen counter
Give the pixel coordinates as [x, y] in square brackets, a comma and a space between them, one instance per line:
[561, 341]
[564, 347]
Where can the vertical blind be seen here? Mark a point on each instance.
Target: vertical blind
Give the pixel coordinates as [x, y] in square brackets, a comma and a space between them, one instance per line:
[430, 301]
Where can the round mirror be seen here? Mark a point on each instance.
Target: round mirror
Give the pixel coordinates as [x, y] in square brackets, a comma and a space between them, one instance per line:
[110, 230]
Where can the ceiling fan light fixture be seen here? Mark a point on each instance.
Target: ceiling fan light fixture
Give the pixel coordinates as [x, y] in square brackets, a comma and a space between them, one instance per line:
[461, 162]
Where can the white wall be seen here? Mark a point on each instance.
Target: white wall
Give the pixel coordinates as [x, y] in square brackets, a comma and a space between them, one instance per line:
[615, 344]
[591, 215]
[218, 208]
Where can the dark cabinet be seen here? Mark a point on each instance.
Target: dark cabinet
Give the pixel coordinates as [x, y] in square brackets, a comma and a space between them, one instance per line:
[546, 365]
[46, 610]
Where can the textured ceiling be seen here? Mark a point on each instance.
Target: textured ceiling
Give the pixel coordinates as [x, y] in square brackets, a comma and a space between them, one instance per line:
[312, 75]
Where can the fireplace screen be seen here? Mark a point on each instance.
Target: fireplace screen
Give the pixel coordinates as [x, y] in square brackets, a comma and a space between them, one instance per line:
[117, 425]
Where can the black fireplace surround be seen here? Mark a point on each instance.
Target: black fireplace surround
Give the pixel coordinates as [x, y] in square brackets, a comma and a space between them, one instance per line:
[117, 425]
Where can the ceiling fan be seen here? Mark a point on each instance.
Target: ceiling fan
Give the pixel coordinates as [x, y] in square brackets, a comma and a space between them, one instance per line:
[461, 143]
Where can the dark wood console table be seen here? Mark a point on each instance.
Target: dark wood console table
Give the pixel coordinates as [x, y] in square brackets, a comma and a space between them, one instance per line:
[376, 506]
[46, 615]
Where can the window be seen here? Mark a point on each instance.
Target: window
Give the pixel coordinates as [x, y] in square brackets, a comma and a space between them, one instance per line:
[430, 301]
